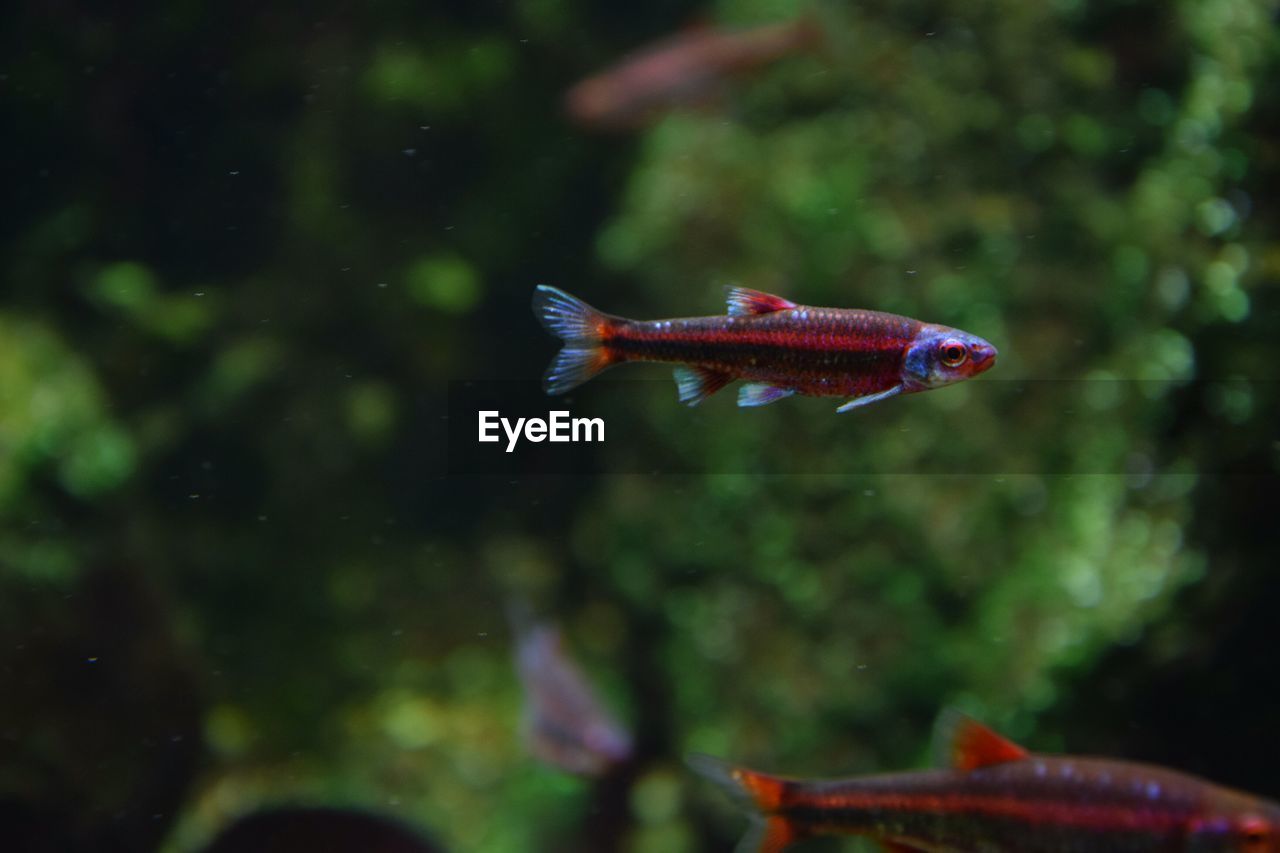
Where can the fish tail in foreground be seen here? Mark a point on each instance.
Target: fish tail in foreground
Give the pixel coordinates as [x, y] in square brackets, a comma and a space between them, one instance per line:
[582, 329]
[760, 795]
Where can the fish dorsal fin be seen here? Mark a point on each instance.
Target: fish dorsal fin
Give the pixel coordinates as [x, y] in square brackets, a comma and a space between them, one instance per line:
[744, 300]
[963, 743]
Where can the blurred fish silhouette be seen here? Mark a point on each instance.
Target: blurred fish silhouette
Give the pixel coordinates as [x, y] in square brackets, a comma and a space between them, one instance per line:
[565, 724]
[689, 69]
[779, 347]
[998, 798]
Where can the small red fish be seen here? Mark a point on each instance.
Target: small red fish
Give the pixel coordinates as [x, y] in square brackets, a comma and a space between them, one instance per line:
[565, 724]
[778, 347]
[687, 69]
[998, 798]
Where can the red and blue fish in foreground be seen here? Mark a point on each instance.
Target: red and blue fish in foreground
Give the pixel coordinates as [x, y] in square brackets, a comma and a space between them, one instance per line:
[995, 797]
[778, 347]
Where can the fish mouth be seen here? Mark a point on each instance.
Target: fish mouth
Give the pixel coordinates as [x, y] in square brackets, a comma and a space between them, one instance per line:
[982, 357]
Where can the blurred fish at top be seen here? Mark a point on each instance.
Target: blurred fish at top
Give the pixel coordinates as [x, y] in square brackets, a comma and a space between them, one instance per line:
[690, 69]
[565, 724]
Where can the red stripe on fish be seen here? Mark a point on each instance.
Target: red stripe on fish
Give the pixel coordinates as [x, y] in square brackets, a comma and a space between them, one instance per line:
[1011, 806]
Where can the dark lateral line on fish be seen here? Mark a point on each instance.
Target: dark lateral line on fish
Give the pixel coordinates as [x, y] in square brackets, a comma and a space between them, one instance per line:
[870, 810]
[703, 347]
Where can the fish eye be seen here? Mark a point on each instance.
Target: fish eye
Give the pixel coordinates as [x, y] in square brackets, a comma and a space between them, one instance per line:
[953, 353]
[1254, 832]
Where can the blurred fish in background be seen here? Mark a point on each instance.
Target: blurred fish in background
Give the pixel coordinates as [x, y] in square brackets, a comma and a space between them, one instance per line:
[564, 724]
[691, 69]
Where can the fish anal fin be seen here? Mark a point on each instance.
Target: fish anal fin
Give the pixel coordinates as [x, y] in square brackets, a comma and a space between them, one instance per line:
[744, 300]
[695, 384]
[898, 847]
[964, 743]
[761, 394]
[868, 399]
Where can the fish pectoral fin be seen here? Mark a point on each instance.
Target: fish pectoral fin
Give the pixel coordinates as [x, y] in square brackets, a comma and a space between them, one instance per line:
[868, 399]
[744, 300]
[695, 384]
[761, 394]
[963, 743]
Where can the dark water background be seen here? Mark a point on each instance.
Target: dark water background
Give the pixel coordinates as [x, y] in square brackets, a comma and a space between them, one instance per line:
[248, 253]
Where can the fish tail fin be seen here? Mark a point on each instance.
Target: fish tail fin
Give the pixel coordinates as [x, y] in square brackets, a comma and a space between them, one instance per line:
[760, 795]
[768, 835]
[811, 33]
[582, 328]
